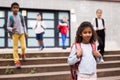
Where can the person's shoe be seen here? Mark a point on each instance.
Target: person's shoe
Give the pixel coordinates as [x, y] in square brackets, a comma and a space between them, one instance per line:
[41, 48]
[63, 47]
[102, 60]
[23, 58]
[18, 65]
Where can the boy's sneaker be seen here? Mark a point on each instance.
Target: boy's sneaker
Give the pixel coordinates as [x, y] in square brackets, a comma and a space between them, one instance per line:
[23, 57]
[18, 65]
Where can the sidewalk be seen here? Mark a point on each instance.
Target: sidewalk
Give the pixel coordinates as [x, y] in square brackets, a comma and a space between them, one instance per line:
[36, 50]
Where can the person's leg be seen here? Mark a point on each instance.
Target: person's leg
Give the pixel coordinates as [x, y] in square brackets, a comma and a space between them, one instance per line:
[15, 38]
[99, 34]
[63, 40]
[41, 41]
[103, 42]
[23, 46]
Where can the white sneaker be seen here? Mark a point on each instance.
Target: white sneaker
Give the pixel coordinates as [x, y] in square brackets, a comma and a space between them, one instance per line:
[102, 60]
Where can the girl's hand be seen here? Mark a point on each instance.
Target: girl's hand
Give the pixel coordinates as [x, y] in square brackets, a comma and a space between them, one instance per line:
[96, 53]
[79, 53]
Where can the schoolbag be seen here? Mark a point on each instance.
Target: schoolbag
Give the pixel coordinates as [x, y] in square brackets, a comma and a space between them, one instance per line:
[12, 24]
[74, 67]
[96, 21]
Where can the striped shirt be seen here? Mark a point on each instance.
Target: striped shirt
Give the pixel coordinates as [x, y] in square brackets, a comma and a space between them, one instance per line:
[88, 62]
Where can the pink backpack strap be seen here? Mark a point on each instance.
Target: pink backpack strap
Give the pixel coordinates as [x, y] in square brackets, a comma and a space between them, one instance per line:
[74, 68]
[77, 46]
[93, 46]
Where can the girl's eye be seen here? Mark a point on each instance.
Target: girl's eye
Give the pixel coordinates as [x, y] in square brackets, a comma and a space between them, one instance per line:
[90, 32]
[85, 32]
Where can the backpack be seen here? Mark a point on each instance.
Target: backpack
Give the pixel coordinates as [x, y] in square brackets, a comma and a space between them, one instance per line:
[74, 67]
[12, 24]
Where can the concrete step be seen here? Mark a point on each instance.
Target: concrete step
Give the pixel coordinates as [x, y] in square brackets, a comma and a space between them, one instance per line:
[52, 67]
[50, 60]
[35, 61]
[60, 75]
[35, 68]
[109, 64]
[110, 78]
[108, 72]
[112, 52]
[111, 57]
[36, 55]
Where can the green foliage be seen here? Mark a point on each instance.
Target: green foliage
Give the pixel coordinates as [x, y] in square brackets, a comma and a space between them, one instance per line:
[8, 56]
[33, 70]
[9, 71]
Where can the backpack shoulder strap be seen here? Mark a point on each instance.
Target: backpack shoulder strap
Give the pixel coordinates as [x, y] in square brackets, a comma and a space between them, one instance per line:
[96, 21]
[74, 68]
[77, 45]
[93, 46]
[11, 21]
[21, 17]
[103, 22]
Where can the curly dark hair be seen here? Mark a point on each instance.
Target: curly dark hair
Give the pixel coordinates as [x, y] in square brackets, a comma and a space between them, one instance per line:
[80, 29]
[15, 3]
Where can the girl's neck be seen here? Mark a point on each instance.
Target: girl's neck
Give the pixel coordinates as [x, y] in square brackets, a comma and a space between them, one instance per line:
[84, 42]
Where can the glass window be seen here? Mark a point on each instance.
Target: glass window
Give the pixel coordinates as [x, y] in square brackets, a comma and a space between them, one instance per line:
[2, 21]
[2, 42]
[49, 24]
[10, 42]
[2, 33]
[49, 33]
[32, 14]
[31, 33]
[48, 15]
[9, 13]
[63, 14]
[31, 23]
[32, 42]
[49, 42]
[2, 14]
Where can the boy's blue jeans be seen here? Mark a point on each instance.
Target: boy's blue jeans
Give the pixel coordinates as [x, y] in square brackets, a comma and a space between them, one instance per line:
[63, 39]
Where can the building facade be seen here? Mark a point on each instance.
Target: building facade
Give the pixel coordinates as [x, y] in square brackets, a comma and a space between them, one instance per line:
[52, 11]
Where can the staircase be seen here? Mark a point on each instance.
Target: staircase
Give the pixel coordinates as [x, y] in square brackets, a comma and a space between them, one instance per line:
[53, 66]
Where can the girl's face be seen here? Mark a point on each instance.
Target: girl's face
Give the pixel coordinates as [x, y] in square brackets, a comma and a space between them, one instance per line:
[86, 35]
